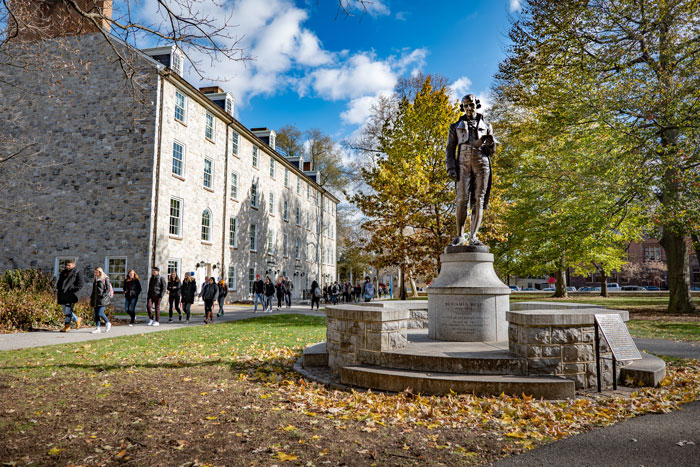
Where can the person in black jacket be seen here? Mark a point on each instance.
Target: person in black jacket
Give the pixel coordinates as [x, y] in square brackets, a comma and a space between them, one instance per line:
[269, 293]
[209, 294]
[100, 298]
[223, 291]
[70, 281]
[259, 293]
[174, 296]
[132, 290]
[188, 291]
[316, 294]
[281, 290]
[156, 290]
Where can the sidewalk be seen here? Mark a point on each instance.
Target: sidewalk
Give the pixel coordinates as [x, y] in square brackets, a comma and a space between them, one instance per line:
[22, 340]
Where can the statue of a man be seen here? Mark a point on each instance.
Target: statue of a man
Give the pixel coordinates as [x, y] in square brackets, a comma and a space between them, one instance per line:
[469, 148]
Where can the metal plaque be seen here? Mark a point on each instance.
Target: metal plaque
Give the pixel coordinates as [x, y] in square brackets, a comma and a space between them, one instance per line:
[618, 337]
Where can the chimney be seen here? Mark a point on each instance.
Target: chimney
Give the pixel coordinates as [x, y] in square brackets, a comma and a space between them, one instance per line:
[47, 19]
[211, 90]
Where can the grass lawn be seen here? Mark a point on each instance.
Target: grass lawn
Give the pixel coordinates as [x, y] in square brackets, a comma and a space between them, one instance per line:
[659, 329]
[226, 394]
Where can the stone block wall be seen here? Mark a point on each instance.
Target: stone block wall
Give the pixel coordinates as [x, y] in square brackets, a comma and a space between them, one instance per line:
[562, 343]
[352, 328]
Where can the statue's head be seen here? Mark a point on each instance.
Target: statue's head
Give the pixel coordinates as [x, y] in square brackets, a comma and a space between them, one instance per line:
[469, 105]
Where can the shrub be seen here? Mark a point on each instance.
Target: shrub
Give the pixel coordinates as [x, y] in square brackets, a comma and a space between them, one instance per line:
[28, 301]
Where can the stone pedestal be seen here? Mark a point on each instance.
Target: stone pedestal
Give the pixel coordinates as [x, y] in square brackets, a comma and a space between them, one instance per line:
[468, 302]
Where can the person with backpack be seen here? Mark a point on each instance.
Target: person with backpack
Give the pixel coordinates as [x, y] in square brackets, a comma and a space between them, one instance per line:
[174, 296]
[102, 293]
[368, 290]
[210, 293]
[156, 291]
[188, 291]
[335, 290]
[69, 284]
[316, 294]
[269, 293]
[223, 291]
[288, 288]
[281, 292]
[132, 290]
[258, 293]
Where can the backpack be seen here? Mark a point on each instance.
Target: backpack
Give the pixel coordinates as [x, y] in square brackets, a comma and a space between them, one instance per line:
[317, 292]
[111, 289]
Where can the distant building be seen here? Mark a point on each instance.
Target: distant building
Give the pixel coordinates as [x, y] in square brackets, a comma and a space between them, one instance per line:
[161, 176]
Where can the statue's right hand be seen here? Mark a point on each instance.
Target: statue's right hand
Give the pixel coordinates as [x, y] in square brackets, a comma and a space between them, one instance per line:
[452, 173]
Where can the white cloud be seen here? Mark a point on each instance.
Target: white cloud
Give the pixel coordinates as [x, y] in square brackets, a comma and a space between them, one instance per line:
[459, 88]
[376, 8]
[360, 108]
[359, 76]
[515, 5]
[401, 16]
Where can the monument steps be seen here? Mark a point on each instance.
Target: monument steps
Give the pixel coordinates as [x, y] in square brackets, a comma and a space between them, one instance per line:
[482, 365]
[398, 380]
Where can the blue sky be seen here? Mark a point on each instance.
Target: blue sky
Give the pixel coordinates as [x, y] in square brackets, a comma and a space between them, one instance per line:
[317, 68]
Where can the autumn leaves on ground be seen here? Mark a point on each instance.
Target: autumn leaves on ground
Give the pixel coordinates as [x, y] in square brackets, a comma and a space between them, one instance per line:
[227, 395]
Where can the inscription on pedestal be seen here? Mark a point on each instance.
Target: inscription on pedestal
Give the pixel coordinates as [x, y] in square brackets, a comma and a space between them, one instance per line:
[464, 316]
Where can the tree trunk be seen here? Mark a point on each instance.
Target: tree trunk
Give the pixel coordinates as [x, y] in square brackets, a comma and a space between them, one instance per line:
[413, 285]
[560, 287]
[402, 284]
[696, 245]
[603, 283]
[676, 248]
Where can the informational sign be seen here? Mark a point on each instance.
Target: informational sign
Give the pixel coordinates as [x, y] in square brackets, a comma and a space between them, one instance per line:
[618, 337]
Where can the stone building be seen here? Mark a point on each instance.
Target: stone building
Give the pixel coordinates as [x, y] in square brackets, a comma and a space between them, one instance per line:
[142, 170]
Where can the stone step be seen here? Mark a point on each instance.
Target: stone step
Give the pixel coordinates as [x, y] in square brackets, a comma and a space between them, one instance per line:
[477, 363]
[315, 355]
[389, 379]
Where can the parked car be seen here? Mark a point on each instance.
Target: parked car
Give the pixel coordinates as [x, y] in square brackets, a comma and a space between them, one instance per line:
[630, 288]
[652, 288]
[587, 289]
[613, 287]
[571, 288]
[529, 289]
[514, 288]
[549, 289]
[695, 289]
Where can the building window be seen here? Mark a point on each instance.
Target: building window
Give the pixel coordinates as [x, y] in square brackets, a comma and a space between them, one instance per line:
[208, 173]
[255, 157]
[180, 107]
[696, 275]
[174, 266]
[209, 126]
[176, 217]
[309, 251]
[296, 249]
[254, 195]
[270, 242]
[271, 204]
[272, 168]
[652, 252]
[298, 215]
[234, 185]
[233, 232]
[115, 268]
[298, 185]
[251, 280]
[178, 158]
[253, 237]
[177, 62]
[234, 143]
[308, 220]
[286, 177]
[231, 278]
[316, 253]
[60, 264]
[308, 191]
[285, 243]
[285, 211]
[228, 105]
[206, 225]
[272, 140]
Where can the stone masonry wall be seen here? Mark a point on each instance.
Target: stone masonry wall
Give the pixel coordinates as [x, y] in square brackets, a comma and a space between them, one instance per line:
[81, 184]
[351, 328]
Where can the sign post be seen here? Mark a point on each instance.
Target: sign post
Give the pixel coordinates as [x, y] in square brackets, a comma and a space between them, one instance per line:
[619, 340]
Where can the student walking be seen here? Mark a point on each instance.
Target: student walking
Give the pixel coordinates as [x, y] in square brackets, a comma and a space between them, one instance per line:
[70, 281]
[259, 293]
[315, 294]
[368, 290]
[174, 285]
[132, 290]
[281, 291]
[223, 291]
[156, 291]
[102, 293]
[288, 288]
[210, 292]
[188, 291]
[269, 293]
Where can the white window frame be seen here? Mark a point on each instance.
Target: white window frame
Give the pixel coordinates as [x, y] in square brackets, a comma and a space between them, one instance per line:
[228, 105]
[107, 270]
[231, 279]
[209, 130]
[285, 246]
[184, 107]
[251, 280]
[206, 235]
[270, 242]
[210, 174]
[178, 266]
[233, 232]
[285, 211]
[253, 237]
[271, 203]
[298, 185]
[178, 62]
[286, 177]
[180, 218]
[272, 140]
[254, 194]
[235, 179]
[235, 140]
[181, 160]
[297, 215]
[256, 162]
[57, 263]
[297, 248]
[273, 170]
[308, 191]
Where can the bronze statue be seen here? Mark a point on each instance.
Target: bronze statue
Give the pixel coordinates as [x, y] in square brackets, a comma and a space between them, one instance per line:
[469, 148]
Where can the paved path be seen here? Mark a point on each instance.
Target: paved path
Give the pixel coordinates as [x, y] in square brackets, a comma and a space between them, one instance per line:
[671, 439]
[23, 340]
[670, 348]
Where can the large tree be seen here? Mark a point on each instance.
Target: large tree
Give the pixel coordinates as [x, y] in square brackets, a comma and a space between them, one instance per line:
[631, 67]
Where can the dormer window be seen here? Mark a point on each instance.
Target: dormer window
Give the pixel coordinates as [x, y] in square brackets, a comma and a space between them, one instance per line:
[228, 106]
[177, 62]
[272, 140]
